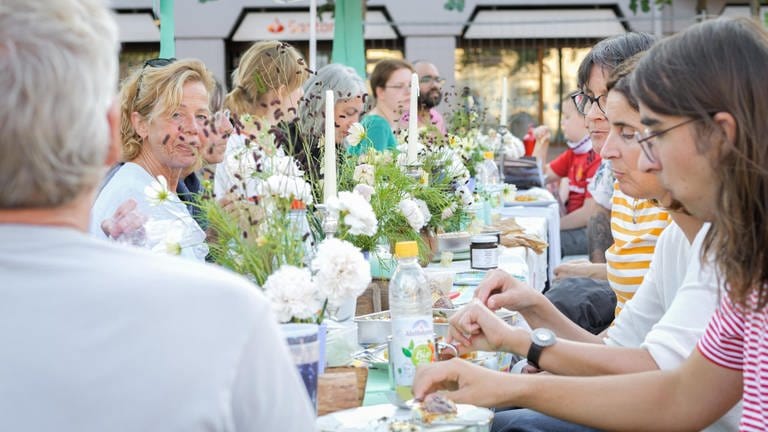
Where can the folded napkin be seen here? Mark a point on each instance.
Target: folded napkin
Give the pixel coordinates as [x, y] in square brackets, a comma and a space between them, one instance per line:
[531, 241]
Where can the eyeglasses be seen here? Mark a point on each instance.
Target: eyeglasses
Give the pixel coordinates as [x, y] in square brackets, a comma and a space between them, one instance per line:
[584, 102]
[647, 138]
[154, 63]
[399, 87]
[427, 79]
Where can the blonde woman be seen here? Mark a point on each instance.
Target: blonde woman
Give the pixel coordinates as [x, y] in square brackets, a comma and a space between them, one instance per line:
[266, 89]
[164, 111]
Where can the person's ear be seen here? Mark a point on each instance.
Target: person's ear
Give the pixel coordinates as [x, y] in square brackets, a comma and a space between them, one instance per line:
[727, 125]
[139, 123]
[114, 151]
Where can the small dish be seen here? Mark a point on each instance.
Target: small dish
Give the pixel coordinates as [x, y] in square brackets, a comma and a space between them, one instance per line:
[472, 278]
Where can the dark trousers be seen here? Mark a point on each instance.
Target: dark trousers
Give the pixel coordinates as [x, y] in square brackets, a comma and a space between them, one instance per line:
[590, 303]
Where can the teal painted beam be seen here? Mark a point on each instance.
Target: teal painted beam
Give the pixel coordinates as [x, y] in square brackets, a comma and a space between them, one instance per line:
[167, 30]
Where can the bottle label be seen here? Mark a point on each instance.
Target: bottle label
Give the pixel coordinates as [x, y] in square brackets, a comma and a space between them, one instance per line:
[484, 258]
[412, 345]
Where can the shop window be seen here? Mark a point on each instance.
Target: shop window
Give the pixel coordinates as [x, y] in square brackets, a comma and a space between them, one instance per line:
[539, 74]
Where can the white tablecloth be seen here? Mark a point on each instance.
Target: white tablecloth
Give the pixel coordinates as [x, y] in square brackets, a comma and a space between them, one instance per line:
[552, 215]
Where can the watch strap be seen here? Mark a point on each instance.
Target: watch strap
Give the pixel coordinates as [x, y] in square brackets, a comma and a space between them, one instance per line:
[534, 352]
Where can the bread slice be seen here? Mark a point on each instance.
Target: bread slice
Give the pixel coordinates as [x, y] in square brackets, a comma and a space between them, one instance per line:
[436, 407]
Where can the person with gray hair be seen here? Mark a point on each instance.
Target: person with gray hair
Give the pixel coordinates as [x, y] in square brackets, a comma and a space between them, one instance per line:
[304, 134]
[96, 335]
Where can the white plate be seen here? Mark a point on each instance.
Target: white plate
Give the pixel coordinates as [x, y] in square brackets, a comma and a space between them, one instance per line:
[541, 203]
[376, 418]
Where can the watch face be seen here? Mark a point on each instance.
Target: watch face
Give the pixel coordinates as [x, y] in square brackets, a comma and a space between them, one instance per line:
[543, 337]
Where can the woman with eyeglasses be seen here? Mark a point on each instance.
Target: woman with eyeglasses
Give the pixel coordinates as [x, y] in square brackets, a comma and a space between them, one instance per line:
[266, 90]
[391, 86]
[165, 117]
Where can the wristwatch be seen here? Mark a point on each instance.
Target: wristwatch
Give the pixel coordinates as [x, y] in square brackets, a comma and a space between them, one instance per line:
[540, 339]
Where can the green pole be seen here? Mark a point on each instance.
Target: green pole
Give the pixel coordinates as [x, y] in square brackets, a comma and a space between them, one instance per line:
[167, 30]
[348, 40]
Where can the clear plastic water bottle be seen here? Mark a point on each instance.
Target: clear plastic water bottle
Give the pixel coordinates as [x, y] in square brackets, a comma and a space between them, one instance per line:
[300, 226]
[487, 173]
[410, 306]
[488, 184]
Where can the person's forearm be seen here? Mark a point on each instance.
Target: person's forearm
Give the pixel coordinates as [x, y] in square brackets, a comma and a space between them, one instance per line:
[599, 237]
[545, 314]
[575, 219]
[549, 175]
[671, 400]
[596, 271]
[585, 359]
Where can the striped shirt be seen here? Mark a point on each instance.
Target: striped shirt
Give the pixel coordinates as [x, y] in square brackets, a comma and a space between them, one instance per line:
[636, 225]
[737, 338]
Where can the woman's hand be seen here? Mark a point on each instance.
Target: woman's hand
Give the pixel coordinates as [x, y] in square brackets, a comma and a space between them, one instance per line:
[499, 289]
[126, 225]
[462, 382]
[215, 145]
[476, 328]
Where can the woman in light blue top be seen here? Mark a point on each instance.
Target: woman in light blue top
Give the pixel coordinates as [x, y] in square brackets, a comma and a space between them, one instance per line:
[391, 87]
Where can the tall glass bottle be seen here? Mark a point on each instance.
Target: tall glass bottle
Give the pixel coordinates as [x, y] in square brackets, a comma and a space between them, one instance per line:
[410, 306]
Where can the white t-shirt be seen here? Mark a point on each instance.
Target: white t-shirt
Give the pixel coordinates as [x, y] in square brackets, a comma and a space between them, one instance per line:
[600, 186]
[97, 336]
[670, 311]
[169, 223]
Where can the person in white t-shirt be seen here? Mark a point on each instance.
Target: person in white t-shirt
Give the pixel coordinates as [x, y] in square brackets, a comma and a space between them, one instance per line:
[98, 336]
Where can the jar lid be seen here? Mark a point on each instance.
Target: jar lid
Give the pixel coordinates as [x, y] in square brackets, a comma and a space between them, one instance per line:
[484, 239]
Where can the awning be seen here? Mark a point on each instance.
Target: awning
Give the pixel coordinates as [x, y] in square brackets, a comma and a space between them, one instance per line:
[289, 26]
[137, 27]
[544, 24]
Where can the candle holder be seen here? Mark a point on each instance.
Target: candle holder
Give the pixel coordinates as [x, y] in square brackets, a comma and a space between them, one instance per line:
[330, 220]
[414, 171]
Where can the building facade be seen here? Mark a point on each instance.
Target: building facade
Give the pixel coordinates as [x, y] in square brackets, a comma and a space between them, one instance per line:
[536, 44]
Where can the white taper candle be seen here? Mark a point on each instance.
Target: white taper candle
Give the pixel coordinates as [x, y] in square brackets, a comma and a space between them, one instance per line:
[329, 165]
[413, 121]
[504, 92]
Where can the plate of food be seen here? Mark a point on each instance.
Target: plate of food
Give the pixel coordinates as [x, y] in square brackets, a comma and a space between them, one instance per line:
[534, 197]
[435, 414]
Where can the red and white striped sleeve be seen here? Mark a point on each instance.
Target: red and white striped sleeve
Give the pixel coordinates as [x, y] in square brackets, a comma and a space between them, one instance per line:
[723, 340]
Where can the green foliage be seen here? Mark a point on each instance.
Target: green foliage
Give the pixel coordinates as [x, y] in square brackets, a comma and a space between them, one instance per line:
[645, 5]
[244, 239]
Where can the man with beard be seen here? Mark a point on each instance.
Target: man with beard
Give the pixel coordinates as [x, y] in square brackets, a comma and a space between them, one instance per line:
[430, 95]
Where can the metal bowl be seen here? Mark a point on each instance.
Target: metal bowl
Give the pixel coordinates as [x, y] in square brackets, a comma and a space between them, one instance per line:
[453, 242]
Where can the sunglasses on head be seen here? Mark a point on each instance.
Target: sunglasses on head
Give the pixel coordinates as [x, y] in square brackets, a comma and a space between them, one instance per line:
[154, 63]
[158, 62]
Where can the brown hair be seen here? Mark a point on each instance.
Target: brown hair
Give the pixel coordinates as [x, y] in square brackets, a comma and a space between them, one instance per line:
[150, 91]
[383, 70]
[265, 66]
[724, 62]
[620, 81]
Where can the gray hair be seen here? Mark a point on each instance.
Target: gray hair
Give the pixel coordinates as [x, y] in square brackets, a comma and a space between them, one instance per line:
[345, 83]
[58, 72]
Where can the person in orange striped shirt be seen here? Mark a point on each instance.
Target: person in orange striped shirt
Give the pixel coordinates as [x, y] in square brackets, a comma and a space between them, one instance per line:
[636, 224]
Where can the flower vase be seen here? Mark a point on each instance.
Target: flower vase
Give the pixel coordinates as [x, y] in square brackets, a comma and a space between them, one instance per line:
[303, 342]
[430, 239]
[322, 337]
